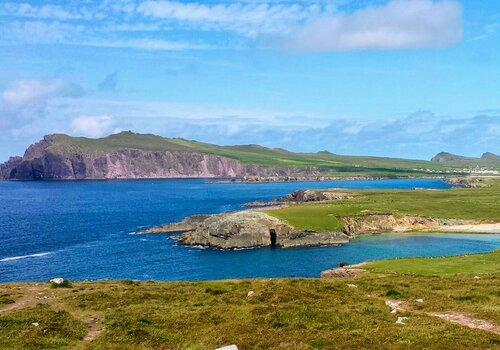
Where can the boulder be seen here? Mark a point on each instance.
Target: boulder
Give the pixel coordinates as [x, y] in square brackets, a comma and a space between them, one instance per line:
[57, 280]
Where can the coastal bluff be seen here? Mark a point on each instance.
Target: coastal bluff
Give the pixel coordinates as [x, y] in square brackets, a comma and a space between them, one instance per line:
[130, 156]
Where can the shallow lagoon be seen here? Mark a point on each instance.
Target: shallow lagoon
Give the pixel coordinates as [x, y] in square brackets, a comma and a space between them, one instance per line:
[86, 230]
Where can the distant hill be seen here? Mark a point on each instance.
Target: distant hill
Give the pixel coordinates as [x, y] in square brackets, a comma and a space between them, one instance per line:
[488, 159]
[131, 155]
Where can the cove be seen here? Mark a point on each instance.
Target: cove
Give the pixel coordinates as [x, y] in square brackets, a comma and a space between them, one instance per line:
[86, 230]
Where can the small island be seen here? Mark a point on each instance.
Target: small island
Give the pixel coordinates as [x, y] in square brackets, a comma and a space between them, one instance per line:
[334, 217]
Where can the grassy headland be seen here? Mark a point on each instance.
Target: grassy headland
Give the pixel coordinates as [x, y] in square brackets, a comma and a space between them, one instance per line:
[480, 205]
[277, 314]
[328, 163]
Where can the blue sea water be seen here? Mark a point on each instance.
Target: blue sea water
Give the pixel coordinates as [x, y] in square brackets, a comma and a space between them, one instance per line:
[87, 230]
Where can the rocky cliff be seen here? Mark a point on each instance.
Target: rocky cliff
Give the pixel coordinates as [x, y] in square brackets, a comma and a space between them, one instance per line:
[49, 159]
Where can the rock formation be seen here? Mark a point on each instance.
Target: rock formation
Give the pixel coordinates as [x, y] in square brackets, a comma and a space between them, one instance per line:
[246, 229]
[304, 196]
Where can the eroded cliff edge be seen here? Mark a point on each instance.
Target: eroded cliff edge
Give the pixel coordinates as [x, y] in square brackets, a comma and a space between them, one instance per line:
[45, 160]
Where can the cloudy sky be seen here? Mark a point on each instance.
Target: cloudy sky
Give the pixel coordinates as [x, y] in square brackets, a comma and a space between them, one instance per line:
[405, 78]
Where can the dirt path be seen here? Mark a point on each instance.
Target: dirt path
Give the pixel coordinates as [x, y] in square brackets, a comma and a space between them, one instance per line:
[464, 320]
[95, 328]
[450, 316]
[35, 295]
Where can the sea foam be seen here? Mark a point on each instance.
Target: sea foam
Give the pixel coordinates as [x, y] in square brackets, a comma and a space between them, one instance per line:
[37, 255]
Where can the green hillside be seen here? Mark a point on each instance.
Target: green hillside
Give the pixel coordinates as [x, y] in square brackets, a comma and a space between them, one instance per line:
[251, 154]
[487, 160]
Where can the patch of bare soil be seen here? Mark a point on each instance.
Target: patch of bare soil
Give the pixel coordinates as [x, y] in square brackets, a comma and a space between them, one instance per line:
[35, 295]
[467, 321]
[95, 328]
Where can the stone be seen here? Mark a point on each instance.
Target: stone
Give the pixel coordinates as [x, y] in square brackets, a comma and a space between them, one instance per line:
[35, 324]
[228, 347]
[250, 294]
[419, 300]
[401, 320]
[342, 272]
[395, 305]
[57, 280]
[352, 285]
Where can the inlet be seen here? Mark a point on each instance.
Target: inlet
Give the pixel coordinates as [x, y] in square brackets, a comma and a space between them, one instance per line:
[272, 234]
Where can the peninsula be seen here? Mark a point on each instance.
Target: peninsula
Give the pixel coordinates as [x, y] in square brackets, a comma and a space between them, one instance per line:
[128, 155]
[332, 217]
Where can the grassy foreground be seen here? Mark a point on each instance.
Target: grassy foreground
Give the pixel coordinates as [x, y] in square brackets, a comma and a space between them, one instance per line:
[481, 205]
[279, 314]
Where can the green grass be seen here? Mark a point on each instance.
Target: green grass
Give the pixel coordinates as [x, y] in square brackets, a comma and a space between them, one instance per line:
[56, 329]
[281, 314]
[328, 163]
[468, 204]
[477, 264]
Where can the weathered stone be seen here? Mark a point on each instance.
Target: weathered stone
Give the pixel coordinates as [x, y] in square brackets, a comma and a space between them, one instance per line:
[57, 280]
[341, 272]
[246, 229]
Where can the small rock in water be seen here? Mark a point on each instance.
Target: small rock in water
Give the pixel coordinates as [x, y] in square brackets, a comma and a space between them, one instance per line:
[36, 324]
[419, 300]
[57, 280]
[401, 320]
[352, 286]
[228, 347]
[250, 294]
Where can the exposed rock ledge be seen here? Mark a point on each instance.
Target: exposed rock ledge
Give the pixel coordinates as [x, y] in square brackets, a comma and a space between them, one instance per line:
[304, 196]
[246, 229]
[250, 229]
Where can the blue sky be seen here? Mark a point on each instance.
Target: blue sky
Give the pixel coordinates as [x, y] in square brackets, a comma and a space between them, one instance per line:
[405, 78]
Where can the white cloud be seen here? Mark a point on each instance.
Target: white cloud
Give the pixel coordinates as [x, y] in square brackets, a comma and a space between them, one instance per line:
[314, 25]
[399, 24]
[41, 12]
[26, 100]
[145, 44]
[91, 126]
[36, 93]
[244, 17]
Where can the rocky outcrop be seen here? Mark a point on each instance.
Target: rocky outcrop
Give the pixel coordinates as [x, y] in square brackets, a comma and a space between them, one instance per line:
[246, 229]
[342, 272]
[467, 182]
[7, 167]
[377, 223]
[304, 196]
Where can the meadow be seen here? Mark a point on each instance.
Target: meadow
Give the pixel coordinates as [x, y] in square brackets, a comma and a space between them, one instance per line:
[264, 314]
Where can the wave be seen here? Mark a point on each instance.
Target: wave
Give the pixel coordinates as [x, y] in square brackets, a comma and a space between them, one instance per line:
[36, 255]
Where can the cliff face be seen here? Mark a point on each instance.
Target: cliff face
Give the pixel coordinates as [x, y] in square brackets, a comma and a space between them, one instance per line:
[41, 162]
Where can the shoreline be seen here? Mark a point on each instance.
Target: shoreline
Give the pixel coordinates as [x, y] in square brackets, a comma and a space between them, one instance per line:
[280, 278]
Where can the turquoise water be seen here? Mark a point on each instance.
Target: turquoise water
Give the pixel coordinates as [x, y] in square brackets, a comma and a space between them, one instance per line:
[86, 230]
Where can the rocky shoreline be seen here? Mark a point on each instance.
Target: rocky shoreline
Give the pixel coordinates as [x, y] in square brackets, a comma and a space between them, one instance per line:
[246, 229]
[255, 227]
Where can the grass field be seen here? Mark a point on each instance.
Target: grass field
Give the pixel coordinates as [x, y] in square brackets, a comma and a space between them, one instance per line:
[280, 314]
[482, 205]
[327, 162]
